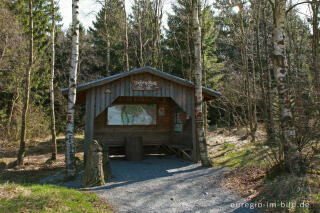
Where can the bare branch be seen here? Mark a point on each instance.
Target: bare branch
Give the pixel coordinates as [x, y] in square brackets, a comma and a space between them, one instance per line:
[272, 4]
[304, 2]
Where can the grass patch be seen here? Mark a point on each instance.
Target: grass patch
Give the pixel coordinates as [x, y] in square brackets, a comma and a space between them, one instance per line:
[247, 155]
[48, 198]
[251, 163]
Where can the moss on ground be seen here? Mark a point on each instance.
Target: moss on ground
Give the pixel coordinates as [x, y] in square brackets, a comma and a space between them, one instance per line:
[251, 163]
[247, 155]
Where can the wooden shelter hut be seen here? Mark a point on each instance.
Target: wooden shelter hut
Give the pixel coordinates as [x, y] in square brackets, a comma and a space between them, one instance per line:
[142, 108]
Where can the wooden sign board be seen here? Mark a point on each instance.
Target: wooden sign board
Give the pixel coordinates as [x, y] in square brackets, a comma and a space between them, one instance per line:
[145, 85]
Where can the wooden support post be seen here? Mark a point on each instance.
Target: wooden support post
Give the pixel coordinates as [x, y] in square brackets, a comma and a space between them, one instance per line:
[134, 148]
[90, 102]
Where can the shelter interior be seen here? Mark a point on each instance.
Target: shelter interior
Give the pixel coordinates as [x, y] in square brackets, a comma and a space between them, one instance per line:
[170, 131]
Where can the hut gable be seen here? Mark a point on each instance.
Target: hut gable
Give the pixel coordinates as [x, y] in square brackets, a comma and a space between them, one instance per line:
[147, 69]
[141, 86]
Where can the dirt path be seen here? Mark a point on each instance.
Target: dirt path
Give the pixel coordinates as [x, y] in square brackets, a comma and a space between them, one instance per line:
[167, 184]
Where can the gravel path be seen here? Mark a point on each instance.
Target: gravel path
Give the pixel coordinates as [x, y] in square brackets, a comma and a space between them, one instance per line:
[167, 184]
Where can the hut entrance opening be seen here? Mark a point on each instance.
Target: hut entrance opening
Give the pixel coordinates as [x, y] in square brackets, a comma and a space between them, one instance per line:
[157, 124]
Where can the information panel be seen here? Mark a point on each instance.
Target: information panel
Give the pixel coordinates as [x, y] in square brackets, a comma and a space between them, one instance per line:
[132, 114]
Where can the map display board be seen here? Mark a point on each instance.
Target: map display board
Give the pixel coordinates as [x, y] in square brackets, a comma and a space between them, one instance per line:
[132, 114]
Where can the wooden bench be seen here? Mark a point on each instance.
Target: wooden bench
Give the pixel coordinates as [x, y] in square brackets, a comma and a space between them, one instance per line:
[179, 150]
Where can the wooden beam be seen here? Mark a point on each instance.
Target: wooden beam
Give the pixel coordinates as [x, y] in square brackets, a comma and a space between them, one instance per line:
[90, 102]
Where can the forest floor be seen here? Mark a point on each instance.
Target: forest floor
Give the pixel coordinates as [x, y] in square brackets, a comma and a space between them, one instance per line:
[248, 177]
[271, 191]
[20, 190]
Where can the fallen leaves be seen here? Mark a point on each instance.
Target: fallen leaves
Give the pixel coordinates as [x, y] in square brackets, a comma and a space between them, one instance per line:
[245, 180]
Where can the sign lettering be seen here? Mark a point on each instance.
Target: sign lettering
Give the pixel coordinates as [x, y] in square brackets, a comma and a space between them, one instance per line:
[145, 85]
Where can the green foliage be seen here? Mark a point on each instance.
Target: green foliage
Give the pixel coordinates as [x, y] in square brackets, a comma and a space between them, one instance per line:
[209, 34]
[109, 26]
[144, 22]
[178, 52]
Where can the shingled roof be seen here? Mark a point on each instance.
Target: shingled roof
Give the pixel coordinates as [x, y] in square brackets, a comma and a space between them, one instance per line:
[146, 69]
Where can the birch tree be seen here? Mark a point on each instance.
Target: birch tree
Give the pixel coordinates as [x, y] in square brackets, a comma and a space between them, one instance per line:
[53, 121]
[21, 152]
[280, 66]
[205, 161]
[70, 148]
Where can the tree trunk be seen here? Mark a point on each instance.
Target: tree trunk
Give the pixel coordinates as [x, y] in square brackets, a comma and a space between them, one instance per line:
[141, 45]
[245, 68]
[93, 171]
[107, 39]
[205, 161]
[205, 106]
[108, 56]
[254, 124]
[13, 103]
[21, 153]
[189, 52]
[269, 96]
[140, 38]
[315, 45]
[70, 148]
[280, 66]
[157, 32]
[261, 71]
[53, 122]
[126, 45]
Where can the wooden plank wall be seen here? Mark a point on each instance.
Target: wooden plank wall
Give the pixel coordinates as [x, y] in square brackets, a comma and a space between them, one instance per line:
[99, 98]
[152, 135]
[122, 87]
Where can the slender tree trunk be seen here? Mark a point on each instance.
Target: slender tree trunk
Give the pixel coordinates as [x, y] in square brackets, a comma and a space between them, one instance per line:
[141, 45]
[205, 161]
[245, 67]
[184, 72]
[269, 96]
[154, 51]
[189, 51]
[280, 65]
[254, 124]
[126, 43]
[13, 103]
[204, 73]
[108, 56]
[315, 47]
[205, 107]
[261, 71]
[140, 38]
[107, 39]
[4, 47]
[53, 120]
[158, 33]
[70, 147]
[21, 153]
